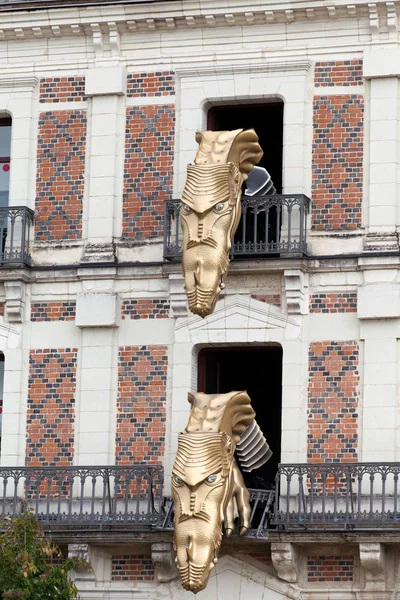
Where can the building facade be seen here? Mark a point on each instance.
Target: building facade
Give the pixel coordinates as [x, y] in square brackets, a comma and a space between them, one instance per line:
[99, 105]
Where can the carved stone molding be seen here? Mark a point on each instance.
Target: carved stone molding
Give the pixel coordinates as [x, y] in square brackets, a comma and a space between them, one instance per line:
[296, 290]
[177, 296]
[285, 558]
[372, 559]
[95, 253]
[163, 557]
[379, 242]
[15, 301]
[81, 551]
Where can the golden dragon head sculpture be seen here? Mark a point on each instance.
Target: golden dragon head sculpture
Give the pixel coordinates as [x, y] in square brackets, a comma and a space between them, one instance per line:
[207, 485]
[211, 209]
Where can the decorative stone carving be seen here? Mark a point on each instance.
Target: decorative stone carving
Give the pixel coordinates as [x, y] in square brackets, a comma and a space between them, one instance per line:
[381, 241]
[296, 289]
[163, 558]
[177, 296]
[285, 558]
[99, 253]
[373, 561]
[15, 301]
[82, 551]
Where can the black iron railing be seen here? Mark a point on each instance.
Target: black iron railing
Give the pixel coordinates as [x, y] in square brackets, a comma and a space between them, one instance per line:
[270, 226]
[337, 496]
[16, 223]
[112, 497]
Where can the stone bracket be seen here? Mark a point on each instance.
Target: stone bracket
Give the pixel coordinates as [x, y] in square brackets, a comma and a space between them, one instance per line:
[163, 557]
[285, 558]
[177, 296]
[296, 290]
[372, 559]
[15, 301]
[99, 253]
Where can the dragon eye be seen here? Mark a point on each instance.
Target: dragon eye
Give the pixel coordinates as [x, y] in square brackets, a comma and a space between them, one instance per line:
[211, 478]
[220, 206]
[185, 208]
[178, 480]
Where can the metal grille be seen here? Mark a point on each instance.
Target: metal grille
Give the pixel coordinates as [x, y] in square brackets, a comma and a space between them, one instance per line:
[270, 226]
[85, 497]
[338, 496]
[15, 229]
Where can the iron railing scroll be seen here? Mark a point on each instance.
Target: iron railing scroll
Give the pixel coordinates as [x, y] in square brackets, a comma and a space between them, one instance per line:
[337, 496]
[16, 224]
[272, 225]
[99, 498]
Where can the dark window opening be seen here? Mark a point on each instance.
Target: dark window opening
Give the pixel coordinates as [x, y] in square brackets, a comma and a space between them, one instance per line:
[259, 371]
[259, 228]
[1, 394]
[5, 153]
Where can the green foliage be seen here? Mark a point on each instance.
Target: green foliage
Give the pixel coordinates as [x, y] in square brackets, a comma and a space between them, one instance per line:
[28, 569]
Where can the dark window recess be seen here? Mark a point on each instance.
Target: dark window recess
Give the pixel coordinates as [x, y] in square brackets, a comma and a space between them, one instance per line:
[256, 227]
[259, 371]
[5, 152]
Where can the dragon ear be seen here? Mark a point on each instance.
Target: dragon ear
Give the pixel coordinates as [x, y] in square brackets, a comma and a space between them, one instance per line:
[238, 415]
[191, 398]
[245, 151]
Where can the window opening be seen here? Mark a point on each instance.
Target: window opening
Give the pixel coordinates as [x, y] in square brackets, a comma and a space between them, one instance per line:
[1, 395]
[5, 153]
[259, 371]
[260, 225]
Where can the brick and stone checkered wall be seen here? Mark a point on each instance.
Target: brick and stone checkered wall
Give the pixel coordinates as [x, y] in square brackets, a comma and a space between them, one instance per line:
[142, 377]
[60, 175]
[53, 311]
[2, 309]
[51, 407]
[333, 401]
[149, 153]
[161, 83]
[132, 567]
[145, 308]
[337, 162]
[62, 89]
[339, 72]
[274, 299]
[325, 569]
[331, 302]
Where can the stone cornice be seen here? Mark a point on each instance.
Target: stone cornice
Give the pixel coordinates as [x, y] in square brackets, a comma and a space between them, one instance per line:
[120, 18]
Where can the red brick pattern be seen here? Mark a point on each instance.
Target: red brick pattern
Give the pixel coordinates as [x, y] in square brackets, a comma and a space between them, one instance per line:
[62, 89]
[274, 299]
[53, 311]
[149, 150]
[145, 308]
[60, 175]
[161, 83]
[339, 72]
[2, 309]
[324, 569]
[51, 407]
[142, 377]
[341, 302]
[132, 567]
[337, 169]
[333, 401]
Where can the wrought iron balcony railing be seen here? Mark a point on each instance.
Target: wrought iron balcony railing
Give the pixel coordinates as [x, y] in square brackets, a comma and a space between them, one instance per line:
[307, 497]
[270, 226]
[337, 496]
[84, 498]
[16, 223]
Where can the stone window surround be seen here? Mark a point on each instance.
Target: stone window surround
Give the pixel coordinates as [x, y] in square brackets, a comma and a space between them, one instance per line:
[18, 97]
[290, 81]
[240, 321]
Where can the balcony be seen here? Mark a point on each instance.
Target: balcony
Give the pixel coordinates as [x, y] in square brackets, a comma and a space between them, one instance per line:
[308, 498]
[271, 226]
[16, 223]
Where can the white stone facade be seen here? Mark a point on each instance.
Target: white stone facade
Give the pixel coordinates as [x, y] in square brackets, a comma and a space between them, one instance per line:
[232, 52]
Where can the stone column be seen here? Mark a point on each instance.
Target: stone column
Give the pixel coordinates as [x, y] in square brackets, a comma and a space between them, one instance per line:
[105, 87]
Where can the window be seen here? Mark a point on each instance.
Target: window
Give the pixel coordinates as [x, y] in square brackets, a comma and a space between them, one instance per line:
[259, 371]
[5, 152]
